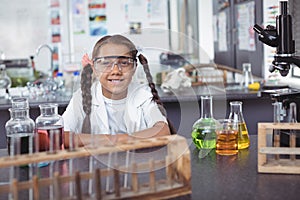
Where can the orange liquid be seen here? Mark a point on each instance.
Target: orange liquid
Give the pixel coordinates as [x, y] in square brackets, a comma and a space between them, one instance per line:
[227, 142]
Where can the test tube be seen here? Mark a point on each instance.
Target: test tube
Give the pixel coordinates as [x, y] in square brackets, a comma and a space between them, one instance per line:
[73, 145]
[278, 115]
[126, 165]
[293, 119]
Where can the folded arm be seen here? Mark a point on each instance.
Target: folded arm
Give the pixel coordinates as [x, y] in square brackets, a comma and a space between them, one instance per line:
[158, 129]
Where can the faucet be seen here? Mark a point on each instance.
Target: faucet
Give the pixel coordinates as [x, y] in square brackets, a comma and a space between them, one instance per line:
[49, 85]
[51, 51]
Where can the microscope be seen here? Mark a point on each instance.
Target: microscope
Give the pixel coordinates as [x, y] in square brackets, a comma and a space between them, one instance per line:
[280, 37]
[286, 101]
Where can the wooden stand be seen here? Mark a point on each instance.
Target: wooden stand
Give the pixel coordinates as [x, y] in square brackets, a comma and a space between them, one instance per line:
[176, 165]
[276, 159]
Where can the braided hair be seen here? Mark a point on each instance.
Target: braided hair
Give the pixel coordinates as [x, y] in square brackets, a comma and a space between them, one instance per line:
[154, 92]
[86, 83]
[87, 79]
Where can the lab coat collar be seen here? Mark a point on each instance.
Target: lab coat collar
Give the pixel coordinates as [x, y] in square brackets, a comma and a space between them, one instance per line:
[136, 96]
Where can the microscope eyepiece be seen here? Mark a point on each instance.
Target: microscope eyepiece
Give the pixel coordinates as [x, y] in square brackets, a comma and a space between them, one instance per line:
[267, 36]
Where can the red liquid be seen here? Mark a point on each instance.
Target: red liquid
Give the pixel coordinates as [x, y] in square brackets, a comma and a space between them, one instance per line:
[44, 136]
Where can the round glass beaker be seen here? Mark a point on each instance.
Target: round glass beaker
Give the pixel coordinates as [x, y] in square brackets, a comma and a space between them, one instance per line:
[204, 129]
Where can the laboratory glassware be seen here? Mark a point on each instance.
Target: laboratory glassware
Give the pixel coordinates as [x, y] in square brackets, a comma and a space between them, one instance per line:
[50, 128]
[236, 114]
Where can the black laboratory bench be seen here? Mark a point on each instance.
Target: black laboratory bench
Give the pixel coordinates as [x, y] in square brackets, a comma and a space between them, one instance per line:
[236, 177]
[222, 177]
[183, 107]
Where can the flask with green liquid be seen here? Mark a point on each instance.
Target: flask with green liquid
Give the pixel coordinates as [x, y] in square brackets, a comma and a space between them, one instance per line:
[204, 129]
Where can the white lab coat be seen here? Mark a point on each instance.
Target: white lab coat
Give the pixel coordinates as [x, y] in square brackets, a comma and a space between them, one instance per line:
[140, 112]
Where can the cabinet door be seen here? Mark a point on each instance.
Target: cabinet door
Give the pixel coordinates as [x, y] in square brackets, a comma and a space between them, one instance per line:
[242, 43]
[224, 50]
[248, 48]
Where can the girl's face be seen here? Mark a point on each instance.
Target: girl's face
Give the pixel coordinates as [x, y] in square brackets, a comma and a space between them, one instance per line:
[117, 77]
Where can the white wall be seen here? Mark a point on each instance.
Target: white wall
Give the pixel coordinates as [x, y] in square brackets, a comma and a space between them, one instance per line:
[206, 28]
[26, 24]
[23, 28]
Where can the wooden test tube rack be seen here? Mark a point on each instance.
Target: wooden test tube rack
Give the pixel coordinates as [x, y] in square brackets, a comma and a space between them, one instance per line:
[269, 158]
[177, 167]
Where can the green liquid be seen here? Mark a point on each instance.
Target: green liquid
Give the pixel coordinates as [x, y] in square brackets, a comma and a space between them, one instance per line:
[204, 138]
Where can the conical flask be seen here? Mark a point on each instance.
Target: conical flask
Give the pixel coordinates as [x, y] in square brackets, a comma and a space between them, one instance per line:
[247, 75]
[204, 129]
[236, 113]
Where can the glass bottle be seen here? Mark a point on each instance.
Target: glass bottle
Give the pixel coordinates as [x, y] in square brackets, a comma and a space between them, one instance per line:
[20, 131]
[236, 113]
[19, 102]
[203, 133]
[59, 79]
[50, 129]
[76, 81]
[5, 81]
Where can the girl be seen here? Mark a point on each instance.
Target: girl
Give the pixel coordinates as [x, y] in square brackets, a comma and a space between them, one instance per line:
[114, 104]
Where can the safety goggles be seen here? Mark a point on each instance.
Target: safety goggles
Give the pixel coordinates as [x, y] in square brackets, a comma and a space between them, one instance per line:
[107, 63]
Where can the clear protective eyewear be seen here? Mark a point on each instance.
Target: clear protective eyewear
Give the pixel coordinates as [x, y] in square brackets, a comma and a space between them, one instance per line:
[107, 63]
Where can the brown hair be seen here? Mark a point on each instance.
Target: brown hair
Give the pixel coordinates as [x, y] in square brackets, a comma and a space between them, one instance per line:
[86, 79]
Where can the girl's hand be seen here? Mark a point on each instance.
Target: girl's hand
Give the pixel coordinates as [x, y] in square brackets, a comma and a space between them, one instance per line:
[86, 60]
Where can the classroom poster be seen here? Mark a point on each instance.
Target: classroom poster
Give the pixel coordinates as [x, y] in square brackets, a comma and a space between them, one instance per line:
[55, 28]
[271, 10]
[156, 12]
[55, 23]
[97, 17]
[222, 33]
[140, 15]
[78, 16]
[245, 23]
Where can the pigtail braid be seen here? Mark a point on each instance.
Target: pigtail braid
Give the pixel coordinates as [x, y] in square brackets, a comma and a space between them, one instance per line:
[154, 92]
[86, 83]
